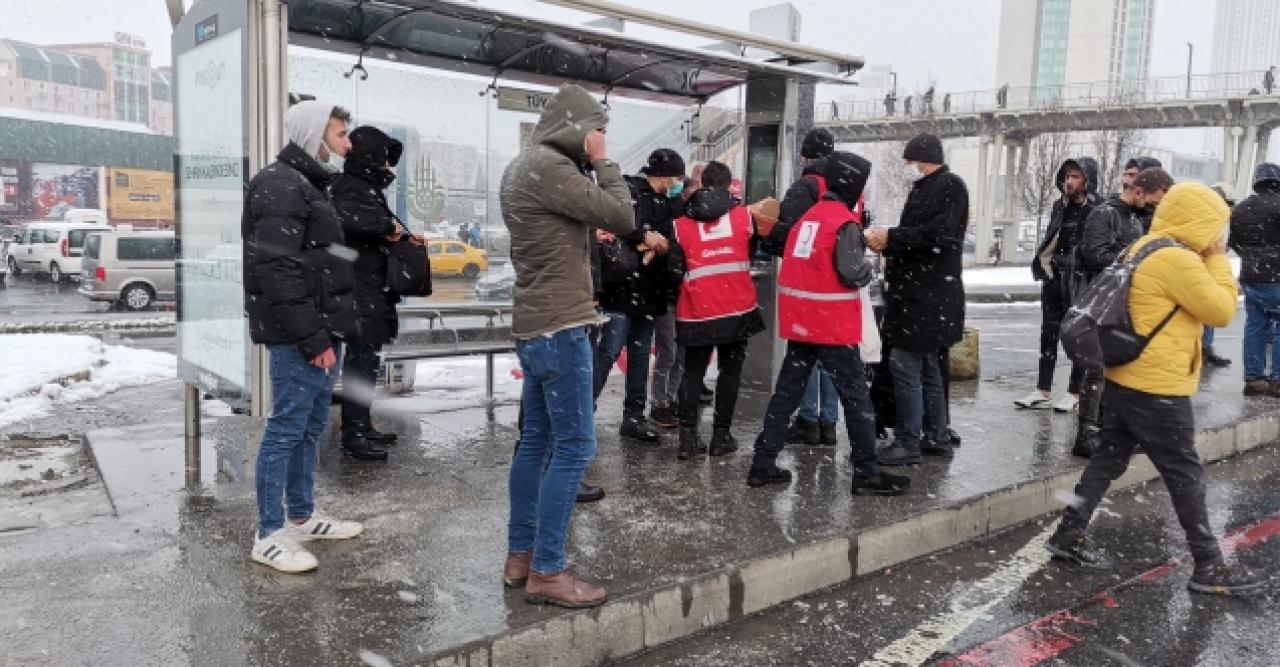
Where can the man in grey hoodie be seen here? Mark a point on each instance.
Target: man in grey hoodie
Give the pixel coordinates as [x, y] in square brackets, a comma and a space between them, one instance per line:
[553, 195]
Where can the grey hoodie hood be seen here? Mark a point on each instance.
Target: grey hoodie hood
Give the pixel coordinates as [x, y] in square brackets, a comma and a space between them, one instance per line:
[304, 125]
[571, 114]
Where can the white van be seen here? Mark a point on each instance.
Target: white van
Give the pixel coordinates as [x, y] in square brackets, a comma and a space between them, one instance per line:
[52, 248]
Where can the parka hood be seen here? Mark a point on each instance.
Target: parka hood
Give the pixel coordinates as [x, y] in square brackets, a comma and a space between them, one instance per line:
[1193, 214]
[1086, 164]
[571, 114]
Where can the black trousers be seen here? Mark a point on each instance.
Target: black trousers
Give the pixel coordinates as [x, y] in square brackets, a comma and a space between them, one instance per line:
[729, 358]
[1055, 300]
[1164, 427]
[359, 377]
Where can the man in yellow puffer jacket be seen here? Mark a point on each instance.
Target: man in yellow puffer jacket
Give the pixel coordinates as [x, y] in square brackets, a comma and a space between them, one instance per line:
[1147, 402]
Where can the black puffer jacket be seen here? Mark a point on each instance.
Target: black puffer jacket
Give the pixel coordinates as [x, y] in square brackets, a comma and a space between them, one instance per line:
[800, 197]
[1255, 236]
[297, 287]
[1110, 228]
[1058, 247]
[367, 221]
[709, 205]
[923, 292]
[644, 291]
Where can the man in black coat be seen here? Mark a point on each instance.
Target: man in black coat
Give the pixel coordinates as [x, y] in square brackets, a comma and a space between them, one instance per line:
[635, 300]
[298, 298]
[1055, 265]
[370, 228]
[924, 299]
[1255, 236]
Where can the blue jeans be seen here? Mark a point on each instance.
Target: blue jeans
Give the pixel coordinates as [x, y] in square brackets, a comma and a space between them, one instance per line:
[557, 443]
[1261, 316]
[1207, 339]
[918, 396]
[636, 332]
[286, 465]
[821, 402]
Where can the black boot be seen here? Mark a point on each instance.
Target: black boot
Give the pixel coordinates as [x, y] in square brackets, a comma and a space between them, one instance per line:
[589, 494]
[379, 438]
[361, 449]
[953, 437]
[637, 428]
[1212, 358]
[804, 432]
[1088, 439]
[827, 433]
[690, 445]
[770, 474]
[722, 442]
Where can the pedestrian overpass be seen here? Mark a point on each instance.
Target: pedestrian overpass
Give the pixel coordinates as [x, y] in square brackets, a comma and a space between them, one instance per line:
[1004, 120]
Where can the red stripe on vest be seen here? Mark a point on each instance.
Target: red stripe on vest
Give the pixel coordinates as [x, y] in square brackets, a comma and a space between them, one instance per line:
[717, 267]
[813, 306]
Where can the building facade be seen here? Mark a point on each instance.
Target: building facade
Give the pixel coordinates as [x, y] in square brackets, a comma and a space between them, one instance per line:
[1246, 38]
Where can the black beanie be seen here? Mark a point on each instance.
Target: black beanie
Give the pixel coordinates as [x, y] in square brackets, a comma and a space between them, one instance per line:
[819, 142]
[664, 162]
[924, 148]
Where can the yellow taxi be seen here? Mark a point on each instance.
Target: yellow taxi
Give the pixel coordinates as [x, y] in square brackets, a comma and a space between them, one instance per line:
[455, 258]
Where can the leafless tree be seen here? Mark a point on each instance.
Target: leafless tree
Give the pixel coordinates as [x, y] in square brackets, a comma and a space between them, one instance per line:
[1038, 187]
[1113, 148]
[890, 181]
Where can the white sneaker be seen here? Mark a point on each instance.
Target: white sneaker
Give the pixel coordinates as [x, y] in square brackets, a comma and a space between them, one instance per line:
[1066, 403]
[1034, 401]
[279, 551]
[321, 527]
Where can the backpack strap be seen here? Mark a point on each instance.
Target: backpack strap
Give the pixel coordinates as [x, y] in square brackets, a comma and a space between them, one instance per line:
[1137, 258]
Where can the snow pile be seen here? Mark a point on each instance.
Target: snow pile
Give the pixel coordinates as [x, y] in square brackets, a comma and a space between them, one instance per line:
[458, 382]
[38, 371]
[1007, 276]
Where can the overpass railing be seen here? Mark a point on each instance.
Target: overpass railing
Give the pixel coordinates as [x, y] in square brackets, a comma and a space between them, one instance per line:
[1066, 96]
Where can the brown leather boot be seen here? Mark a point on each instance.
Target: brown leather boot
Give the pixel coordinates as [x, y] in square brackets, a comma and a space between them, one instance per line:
[564, 590]
[516, 571]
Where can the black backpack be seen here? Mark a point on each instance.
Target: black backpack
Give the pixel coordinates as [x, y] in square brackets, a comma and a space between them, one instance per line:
[1097, 331]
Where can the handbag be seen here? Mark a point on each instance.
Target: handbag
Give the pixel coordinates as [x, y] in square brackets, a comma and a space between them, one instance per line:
[408, 268]
[869, 348]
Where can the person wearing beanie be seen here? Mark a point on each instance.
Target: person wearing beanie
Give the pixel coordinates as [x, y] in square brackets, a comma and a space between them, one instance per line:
[815, 423]
[299, 300]
[820, 316]
[924, 301]
[1056, 266]
[1255, 236]
[638, 301]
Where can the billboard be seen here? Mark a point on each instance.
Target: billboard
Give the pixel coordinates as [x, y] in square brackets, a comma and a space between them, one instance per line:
[139, 194]
[58, 187]
[11, 194]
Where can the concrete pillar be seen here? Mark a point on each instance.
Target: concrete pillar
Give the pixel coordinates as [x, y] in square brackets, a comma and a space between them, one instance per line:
[989, 169]
[979, 199]
[1246, 161]
[1010, 182]
[1230, 154]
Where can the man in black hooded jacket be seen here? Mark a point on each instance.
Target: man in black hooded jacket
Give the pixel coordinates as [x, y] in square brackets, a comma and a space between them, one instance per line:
[370, 228]
[1056, 266]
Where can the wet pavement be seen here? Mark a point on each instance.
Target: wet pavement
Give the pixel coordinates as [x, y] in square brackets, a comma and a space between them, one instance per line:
[1001, 601]
[168, 581]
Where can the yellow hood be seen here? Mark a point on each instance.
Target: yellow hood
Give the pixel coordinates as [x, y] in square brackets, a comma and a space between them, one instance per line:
[1193, 214]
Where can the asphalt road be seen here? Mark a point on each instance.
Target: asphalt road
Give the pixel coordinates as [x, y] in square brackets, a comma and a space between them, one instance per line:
[1002, 601]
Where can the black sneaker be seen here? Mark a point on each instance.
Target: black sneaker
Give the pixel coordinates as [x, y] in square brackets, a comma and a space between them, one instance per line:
[898, 455]
[1077, 551]
[665, 417]
[638, 429]
[691, 446]
[379, 438]
[930, 447]
[884, 484]
[589, 494]
[827, 434]
[722, 442]
[953, 437]
[770, 475]
[1223, 579]
[804, 432]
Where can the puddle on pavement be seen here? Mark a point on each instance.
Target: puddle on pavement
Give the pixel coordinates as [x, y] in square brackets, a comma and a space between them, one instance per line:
[31, 465]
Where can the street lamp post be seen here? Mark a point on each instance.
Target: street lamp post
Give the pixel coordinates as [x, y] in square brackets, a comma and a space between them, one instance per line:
[1190, 51]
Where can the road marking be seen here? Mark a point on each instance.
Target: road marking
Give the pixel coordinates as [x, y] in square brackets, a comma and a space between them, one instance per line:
[936, 633]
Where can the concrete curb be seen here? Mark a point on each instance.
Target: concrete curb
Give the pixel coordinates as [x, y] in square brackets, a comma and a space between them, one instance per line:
[645, 620]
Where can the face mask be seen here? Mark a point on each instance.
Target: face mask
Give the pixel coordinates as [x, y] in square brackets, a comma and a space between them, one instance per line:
[675, 190]
[335, 161]
[913, 173]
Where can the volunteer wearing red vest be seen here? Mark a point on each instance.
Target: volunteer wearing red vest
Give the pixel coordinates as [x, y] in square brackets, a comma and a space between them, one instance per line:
[820, 315]
[717, 310]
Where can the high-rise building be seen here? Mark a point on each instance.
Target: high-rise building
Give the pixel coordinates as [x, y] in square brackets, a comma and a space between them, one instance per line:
[1049, 43]
[1246, 38]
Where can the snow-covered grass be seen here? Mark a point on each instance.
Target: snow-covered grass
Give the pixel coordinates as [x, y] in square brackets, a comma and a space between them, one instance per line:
[31, 366]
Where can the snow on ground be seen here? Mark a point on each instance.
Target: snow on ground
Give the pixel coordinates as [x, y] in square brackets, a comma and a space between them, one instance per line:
[451, 384]
[32, 364]
[1001, 276]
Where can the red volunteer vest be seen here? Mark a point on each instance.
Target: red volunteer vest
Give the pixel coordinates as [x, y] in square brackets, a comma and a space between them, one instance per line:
[717, 279]
[813, 306]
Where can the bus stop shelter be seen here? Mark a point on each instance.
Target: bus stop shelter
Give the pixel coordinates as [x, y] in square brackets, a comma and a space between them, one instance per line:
[421, 67]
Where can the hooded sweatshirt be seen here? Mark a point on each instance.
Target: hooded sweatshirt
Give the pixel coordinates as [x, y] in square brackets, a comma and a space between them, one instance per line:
[304, 125]
[550, 206]
[1056, 256]
[1201, 288]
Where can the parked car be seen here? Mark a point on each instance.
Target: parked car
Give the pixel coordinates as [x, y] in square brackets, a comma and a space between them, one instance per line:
[131, 268]
[455, 258]
[52, 248]
[498, 284]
